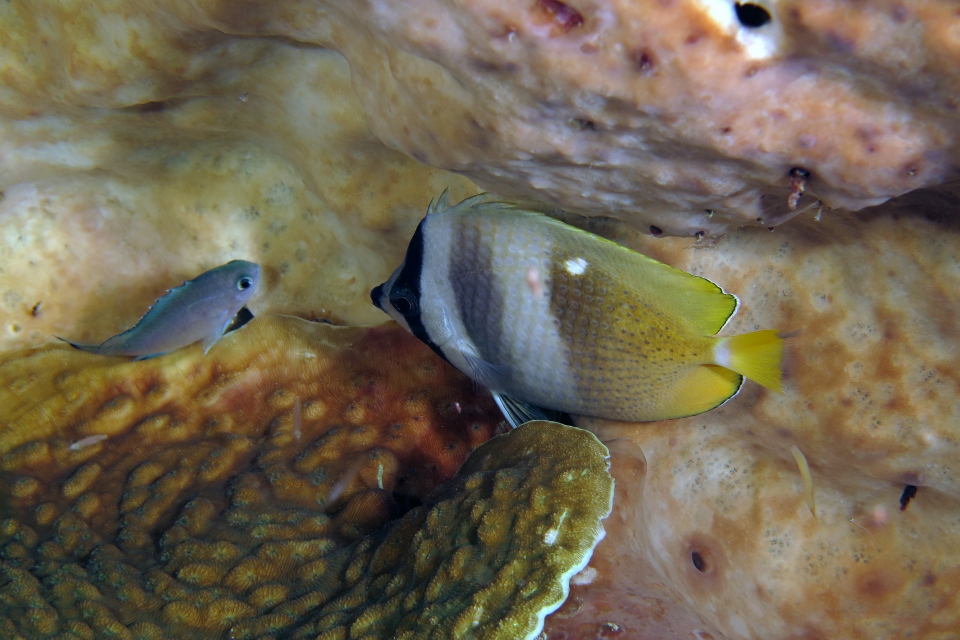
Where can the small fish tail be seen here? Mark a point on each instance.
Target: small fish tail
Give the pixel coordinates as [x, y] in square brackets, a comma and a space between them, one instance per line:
[757, 356]
[92, 348]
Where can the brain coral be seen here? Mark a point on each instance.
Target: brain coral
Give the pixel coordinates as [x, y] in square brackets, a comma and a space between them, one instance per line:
[184, 492]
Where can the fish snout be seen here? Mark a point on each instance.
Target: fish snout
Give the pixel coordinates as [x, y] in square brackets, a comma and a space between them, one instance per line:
[375, 294]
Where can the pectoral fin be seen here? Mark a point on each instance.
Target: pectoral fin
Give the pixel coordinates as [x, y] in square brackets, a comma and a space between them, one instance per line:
[486, 373]
[209, 341]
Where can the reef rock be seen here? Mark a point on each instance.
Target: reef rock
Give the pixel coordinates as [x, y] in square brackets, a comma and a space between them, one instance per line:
[712, 534]
[691, 116]
[104, 210]
[143, 143]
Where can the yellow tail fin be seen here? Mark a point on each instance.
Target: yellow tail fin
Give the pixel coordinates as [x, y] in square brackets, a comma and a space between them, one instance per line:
[757, 356]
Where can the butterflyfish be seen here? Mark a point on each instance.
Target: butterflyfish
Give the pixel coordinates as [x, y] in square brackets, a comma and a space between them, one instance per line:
[199, 310]
[548, 315]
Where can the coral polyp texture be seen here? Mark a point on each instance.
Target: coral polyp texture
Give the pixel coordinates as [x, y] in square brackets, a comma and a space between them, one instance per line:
[244, 494]
[201, 147]
[723, 544]
[494, 553]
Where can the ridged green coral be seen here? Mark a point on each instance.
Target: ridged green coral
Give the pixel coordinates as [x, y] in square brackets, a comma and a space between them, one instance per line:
[248, 493]
[494, 553]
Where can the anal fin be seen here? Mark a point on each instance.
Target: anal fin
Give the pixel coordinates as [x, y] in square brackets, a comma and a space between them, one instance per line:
[517, 411]
[702, 388]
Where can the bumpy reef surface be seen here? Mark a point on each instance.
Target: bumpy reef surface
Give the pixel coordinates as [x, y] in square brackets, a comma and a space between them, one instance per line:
[258, 490]
[656, 111]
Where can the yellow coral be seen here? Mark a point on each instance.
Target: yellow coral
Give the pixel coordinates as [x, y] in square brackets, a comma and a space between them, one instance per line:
[202, 516]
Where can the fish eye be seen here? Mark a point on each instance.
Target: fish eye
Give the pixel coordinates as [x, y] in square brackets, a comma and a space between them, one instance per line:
[404, 302]
[244, 283]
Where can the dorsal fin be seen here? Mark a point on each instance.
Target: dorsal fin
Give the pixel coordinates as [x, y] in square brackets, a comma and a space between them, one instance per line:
[442, 204]
[698, 300]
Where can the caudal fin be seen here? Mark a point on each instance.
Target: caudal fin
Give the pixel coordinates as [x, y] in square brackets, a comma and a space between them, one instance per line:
[757, 356]
[92, 348]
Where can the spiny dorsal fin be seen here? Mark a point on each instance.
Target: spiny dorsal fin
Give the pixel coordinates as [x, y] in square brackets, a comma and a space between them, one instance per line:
[477, 202]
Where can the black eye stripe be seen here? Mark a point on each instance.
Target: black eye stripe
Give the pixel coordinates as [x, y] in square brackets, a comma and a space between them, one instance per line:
[409, 280]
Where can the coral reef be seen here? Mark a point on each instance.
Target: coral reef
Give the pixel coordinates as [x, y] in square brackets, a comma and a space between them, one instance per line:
[720, 543]
[493, 555]
[146, 142]
[192, 493]
[658, 112]
[173, 135]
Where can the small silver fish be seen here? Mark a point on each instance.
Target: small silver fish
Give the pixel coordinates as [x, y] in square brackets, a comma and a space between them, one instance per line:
[198, 310]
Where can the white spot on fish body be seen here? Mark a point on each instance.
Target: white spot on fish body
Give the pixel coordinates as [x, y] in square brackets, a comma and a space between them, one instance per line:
[88, 441]
[576, 266]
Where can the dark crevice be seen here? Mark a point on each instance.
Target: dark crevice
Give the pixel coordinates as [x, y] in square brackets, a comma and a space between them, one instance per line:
[698, 562]
[908, 494]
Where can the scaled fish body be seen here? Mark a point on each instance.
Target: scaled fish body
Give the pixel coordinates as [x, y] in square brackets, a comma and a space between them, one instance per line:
[198, 310]
[560, 318]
